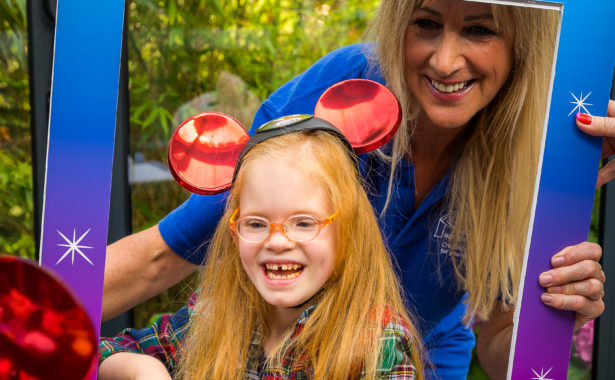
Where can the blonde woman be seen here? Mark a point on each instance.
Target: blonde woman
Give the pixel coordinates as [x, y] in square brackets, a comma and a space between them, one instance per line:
[316, 298]
[452, 191]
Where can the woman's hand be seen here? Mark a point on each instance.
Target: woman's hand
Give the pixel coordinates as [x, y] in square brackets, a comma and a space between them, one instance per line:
[602, 126]
[129, 366]
[576, 282]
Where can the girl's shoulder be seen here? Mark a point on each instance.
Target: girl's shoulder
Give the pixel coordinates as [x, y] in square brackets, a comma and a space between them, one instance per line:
[396, 328]
[396, 347]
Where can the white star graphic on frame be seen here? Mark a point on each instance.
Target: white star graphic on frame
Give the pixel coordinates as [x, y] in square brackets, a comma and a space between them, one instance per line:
[580, 103]
[543, 374]
[73, 246]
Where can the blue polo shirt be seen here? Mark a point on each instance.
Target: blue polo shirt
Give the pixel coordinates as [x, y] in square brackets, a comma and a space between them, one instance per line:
[417, 238]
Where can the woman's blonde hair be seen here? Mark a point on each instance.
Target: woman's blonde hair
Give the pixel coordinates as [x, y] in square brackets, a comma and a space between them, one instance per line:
[341, 336]
[492, 181]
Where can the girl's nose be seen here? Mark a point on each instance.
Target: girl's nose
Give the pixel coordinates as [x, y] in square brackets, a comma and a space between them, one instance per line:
[278, 241]
[447, 57]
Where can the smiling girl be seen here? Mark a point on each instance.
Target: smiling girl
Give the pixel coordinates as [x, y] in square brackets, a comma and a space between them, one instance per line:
[298, 282]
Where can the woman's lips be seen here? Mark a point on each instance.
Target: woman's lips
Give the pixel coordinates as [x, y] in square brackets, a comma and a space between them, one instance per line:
[449, 92]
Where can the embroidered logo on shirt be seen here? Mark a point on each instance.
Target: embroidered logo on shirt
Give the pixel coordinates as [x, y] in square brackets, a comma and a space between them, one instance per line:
[443, 237]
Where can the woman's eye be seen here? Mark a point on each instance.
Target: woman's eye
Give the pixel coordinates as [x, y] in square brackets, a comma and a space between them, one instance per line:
[479, 31]
[427, 24]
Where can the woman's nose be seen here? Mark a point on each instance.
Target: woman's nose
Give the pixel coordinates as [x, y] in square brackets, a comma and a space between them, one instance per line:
[447, 57]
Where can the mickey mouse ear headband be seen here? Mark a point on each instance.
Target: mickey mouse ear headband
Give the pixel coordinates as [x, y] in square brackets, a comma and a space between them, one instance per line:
[205, 150]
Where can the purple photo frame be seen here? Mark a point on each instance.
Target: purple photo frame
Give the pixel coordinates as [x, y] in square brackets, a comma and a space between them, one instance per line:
[80, 150]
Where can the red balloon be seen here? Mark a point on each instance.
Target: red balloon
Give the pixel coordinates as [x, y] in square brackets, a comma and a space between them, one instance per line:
[365, 111]
[203, 151]
[45, 333]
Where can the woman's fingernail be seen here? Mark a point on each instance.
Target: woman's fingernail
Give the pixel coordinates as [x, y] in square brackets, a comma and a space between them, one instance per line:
[557, 261]
[584, 118]
[546, 298]
[545, 279]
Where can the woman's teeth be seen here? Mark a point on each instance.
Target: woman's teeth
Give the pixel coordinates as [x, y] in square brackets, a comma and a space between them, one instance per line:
[448, 88]
[283, 271]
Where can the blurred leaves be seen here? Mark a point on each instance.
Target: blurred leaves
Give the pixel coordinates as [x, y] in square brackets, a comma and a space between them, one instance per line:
[16, 198]
[16, 218]
[178, 49]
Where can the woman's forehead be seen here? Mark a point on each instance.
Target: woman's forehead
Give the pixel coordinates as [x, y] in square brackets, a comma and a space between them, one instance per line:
[471, 5]
[501, 13]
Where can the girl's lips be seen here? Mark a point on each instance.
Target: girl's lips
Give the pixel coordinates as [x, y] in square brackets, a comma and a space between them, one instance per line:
[275, 275]
[449, 96]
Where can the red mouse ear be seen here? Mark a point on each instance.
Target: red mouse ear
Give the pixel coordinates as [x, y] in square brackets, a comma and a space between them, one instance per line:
[45, 333]
[365, 111]
[203, 152]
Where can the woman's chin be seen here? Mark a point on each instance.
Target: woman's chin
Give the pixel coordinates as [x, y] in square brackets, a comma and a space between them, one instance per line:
[449, 120]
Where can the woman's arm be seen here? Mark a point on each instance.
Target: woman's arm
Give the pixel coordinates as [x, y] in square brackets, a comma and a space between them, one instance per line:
[138, 267]
[493, 342]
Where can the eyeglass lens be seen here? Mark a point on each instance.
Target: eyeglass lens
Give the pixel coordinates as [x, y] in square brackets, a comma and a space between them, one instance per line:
[298, 228]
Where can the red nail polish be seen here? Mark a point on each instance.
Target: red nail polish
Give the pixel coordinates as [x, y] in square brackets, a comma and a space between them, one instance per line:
[584, 118]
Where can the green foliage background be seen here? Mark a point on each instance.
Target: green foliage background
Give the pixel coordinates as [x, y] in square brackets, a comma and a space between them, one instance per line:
[16, 204]
[185, 56]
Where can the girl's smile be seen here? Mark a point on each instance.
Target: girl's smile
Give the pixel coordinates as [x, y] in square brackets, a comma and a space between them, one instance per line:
[282, 272]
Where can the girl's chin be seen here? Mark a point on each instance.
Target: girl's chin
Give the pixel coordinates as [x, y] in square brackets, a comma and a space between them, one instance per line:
[288, 304]
[287, 300]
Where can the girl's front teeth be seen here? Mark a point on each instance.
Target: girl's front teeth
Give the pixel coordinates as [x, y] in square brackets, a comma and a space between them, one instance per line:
[283, 271]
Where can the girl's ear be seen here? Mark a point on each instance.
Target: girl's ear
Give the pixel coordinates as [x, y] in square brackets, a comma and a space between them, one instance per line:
[203, 152]
[365, 111]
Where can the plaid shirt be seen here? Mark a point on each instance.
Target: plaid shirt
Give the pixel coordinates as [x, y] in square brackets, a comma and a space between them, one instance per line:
[165, 338]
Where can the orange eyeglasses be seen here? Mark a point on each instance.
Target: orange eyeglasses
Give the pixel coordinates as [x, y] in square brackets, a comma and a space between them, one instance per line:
[298, 228]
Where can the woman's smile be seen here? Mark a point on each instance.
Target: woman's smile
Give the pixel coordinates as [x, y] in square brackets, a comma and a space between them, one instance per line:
[450, 91]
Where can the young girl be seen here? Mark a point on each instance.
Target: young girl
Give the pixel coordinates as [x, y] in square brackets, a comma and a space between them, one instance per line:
[297, 284]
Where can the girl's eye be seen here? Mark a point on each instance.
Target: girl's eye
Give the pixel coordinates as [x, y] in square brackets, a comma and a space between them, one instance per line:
[427, 24]
[304, 224]
[479, 31]
[253, 224]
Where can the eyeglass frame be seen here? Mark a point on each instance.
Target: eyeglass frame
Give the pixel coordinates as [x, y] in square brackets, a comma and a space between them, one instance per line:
[279, 226]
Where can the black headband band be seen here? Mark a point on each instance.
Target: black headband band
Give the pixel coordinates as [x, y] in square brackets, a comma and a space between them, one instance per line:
[291, 124]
